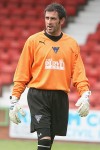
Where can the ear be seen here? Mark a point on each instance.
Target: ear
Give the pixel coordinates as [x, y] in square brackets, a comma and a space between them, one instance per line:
[62, 21]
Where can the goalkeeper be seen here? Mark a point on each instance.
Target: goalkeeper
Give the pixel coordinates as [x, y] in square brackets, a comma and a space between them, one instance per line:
[49, 61]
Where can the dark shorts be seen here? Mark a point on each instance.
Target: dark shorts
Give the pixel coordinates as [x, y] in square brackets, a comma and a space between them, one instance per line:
[48, 109]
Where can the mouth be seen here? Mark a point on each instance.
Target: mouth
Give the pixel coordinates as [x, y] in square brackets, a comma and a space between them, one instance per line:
[49, 27]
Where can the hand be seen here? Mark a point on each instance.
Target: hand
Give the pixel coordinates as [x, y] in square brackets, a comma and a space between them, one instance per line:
[83, 104]
[14, 110]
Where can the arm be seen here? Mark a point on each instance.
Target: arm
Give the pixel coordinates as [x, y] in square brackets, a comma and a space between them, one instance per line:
[21, 78]
[22, 74]
[80, 81]
[79, 78]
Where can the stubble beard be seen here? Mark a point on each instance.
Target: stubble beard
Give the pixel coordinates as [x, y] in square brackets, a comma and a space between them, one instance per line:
[51, 31]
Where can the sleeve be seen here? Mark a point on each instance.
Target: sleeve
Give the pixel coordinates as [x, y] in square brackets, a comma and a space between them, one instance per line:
[79, 78]
[22, 74]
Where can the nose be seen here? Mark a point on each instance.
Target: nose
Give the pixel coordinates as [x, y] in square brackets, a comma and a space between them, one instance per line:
[49, 21]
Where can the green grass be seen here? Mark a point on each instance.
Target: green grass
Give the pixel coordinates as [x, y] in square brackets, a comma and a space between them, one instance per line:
[32, 145]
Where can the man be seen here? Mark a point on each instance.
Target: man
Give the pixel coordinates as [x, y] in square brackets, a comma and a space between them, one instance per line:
[49, 60]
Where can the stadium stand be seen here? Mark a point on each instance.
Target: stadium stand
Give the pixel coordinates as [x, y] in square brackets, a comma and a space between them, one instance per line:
[18, 20]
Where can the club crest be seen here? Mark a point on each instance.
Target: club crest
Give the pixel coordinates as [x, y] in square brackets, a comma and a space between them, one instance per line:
[38, 117]
[55, 49]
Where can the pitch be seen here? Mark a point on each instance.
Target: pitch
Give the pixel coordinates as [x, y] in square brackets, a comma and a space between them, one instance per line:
[32, 145]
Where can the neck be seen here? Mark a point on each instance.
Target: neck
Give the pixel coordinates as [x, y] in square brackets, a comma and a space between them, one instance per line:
[54, 34]
[54, 38]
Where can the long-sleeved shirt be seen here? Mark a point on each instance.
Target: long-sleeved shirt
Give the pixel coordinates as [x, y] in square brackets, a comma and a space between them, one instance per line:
[50, 65]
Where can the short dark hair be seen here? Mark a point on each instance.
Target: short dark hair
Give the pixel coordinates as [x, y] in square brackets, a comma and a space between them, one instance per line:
[57, 7]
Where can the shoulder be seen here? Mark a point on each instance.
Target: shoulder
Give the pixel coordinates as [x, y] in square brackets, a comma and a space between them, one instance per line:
[37, 36]
[69, 38]
[73, 44]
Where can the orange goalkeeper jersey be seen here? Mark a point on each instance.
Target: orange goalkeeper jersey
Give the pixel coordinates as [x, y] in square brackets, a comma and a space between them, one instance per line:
[50, 65]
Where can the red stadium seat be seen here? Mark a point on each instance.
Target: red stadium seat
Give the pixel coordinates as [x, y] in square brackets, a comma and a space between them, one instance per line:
[94, 37]
[4, 11]
[5, 23]
[98, 27]
[14, 1]
[4, 44]
[15, 45]
[4, 57]
[6, 78]
[25, 34]
[73, 96]
[71, 10]
[96, 48]
[92, 71]
[97, 85]
[28, 2]
[74, 3]
[92, 81]
[89, 60]
[94, 99]
[31, 13]
[10, 34]
[82, 2]
[7, 68]
[14, 55]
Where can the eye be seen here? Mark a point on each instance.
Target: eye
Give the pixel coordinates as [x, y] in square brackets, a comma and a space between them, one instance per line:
[53, 18]
[47, 18]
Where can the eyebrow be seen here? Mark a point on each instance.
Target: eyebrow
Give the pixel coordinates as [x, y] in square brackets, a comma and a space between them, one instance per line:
[50, 17]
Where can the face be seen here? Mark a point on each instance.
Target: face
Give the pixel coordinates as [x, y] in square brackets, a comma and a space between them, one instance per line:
[53, 23]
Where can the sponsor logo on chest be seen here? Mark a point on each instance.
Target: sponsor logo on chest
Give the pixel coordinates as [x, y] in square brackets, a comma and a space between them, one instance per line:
[55, 65]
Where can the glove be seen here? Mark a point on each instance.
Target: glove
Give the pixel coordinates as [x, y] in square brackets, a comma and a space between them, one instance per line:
[83, 104]
[15, 109]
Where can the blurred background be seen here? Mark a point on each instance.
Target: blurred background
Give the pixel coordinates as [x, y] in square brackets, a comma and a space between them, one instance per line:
[21, 18]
